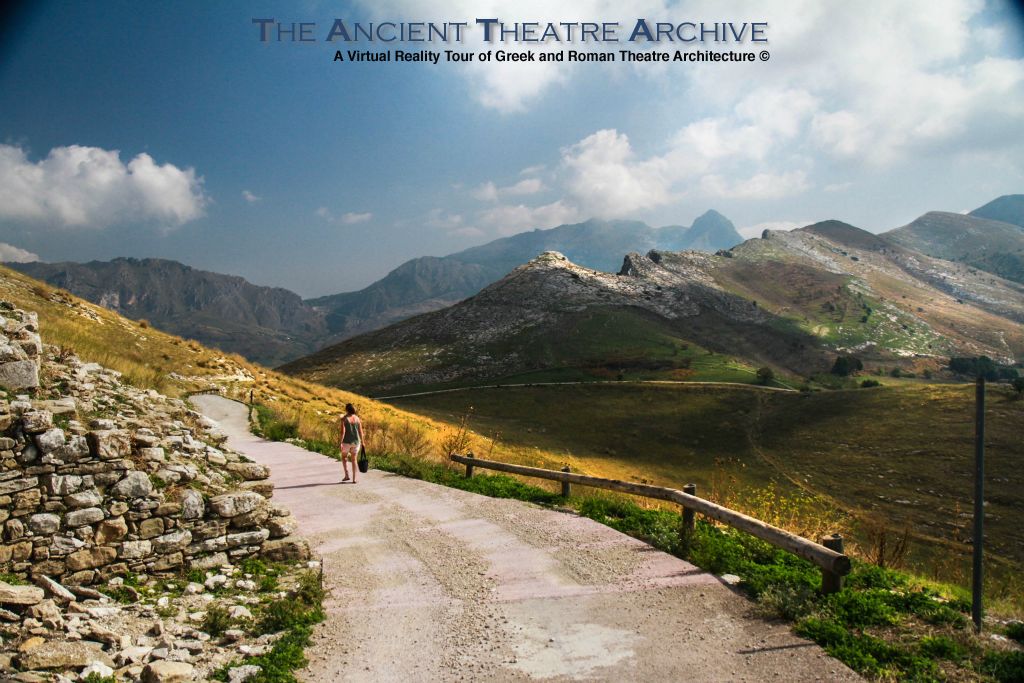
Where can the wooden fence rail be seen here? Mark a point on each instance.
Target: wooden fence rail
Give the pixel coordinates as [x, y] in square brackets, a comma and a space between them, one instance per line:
[833, 563]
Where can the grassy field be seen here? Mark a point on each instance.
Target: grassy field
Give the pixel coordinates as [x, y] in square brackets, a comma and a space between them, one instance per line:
[896, 458]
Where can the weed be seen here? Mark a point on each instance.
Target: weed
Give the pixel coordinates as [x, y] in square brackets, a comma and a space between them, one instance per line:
[941, 647]
[1005, 667]
[96, 678]
[217, 620]
[1015, 631]
[286, 613]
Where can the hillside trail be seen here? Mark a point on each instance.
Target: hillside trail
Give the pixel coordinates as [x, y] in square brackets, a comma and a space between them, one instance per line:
[429, 583]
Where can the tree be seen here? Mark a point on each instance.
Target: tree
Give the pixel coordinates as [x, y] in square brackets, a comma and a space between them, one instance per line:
[1018, 386]
[765, 375]
[847, 365]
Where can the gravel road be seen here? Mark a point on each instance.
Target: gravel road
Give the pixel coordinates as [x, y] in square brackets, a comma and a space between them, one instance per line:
[429, 583]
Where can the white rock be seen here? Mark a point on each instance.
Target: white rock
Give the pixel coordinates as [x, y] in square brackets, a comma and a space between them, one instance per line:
[216, 581]
[240, 674]
[98, 668]
[240, 612]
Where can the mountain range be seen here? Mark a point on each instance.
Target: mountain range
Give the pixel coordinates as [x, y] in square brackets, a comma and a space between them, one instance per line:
[271, 325]
[789, 300]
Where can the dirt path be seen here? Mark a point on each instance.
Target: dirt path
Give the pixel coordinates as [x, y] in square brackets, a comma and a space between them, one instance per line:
[434, 584]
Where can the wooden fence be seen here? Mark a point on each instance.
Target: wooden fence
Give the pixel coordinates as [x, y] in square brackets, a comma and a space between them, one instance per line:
[828, 555]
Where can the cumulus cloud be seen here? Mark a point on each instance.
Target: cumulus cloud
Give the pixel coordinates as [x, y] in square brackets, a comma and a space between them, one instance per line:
[12, 254]
[508, 219]
[486, 192]
[78, 186]
[250, 197]
[489, 192]
[351, 218]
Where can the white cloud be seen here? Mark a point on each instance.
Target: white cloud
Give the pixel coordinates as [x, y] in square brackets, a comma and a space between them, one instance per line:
[451, 224]
[12, 254]
[250, 197]
[79, 186]
[485, 192]
[324, 212]
[442, 220]
[525, 186]
[510, 219]
[605, 177]
[759, 186]
[351, 218]
[490, 192]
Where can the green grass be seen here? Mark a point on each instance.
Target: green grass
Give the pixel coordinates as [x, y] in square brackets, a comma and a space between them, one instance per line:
[494, 485]
[900, 453]
[294, 616]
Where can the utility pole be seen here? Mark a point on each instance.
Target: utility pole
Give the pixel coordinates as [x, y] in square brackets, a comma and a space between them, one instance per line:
[977, 579]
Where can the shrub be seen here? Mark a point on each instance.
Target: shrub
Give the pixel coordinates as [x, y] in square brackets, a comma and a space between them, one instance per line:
[217, 620]
[1004, 666]
[868, 383]
[846, 365]
[1015, 631]
[765, 375]
[1018, 385]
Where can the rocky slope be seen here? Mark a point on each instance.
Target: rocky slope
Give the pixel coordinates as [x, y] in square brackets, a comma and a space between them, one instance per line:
[790, 300]
[430, 283]
[990, 245]
[104, 489]
[268, 325]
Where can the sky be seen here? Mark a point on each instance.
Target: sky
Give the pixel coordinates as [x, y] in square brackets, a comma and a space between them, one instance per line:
[168, 129]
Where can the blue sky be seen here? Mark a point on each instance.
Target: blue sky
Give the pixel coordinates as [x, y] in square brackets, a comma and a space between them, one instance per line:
[167, 129]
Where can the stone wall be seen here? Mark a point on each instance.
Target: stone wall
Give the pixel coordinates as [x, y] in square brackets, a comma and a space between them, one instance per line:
[99, 478]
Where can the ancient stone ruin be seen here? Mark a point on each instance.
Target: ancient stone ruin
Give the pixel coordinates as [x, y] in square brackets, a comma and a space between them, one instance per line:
[99, 480]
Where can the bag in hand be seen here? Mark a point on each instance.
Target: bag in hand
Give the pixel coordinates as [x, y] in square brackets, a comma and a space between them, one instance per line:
[364, 463]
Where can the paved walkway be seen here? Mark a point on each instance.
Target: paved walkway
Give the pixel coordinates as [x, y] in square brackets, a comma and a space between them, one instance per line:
[429, 583]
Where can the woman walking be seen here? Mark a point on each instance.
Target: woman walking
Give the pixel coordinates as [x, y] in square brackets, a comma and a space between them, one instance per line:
[351, 440]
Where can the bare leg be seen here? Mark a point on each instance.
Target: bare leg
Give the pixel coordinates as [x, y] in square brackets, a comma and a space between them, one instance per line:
[344, 463]
[355, 466]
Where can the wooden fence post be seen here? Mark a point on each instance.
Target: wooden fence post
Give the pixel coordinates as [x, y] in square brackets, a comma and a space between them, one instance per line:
[689, 517]
[830, 582]
[565, 484]
[469, 468]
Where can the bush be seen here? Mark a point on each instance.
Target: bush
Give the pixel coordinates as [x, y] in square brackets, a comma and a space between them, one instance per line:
[1018, 385]
[765, 375]
[846, 365]
[868, 383]
[982, 366]
[1015, 631]
[1004, 666]
[217, 620]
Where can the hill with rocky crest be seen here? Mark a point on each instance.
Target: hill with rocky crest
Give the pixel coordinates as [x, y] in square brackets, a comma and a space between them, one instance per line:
[430, 283]
[790, 300]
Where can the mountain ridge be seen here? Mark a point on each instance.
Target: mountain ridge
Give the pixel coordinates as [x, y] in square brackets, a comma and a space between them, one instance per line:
[789, 300]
